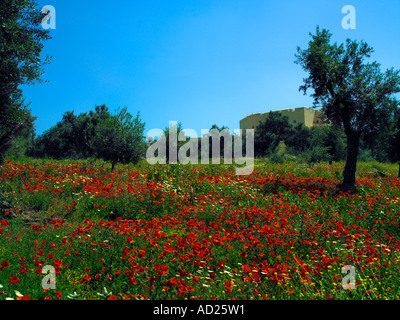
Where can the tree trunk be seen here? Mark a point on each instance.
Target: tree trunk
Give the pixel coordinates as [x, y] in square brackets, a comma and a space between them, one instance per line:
[113, 166]
[349, 174]
[399, 171]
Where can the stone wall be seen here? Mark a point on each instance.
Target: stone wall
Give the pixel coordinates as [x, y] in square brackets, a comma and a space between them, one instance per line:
[309, 117]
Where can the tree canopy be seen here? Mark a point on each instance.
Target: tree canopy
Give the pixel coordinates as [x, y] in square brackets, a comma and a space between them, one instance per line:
[21, 44]
[119, 138]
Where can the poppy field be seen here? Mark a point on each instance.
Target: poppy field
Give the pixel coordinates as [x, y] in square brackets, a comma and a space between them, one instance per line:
[197, 232]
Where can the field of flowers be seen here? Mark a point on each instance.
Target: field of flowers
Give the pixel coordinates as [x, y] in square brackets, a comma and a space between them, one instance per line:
[197, 232]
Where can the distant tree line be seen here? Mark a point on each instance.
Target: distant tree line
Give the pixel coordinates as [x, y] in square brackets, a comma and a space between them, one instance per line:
[315, 144]
[216, 135]
[120, 137]
[325, 143]
[115, 137]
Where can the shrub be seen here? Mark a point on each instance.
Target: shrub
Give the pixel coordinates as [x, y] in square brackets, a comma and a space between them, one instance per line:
[315, 155]
[365, 156]
[278, 156]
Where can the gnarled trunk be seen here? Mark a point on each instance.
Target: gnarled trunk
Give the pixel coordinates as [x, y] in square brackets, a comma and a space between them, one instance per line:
[399, 171]
[349, 174]
[113, 163]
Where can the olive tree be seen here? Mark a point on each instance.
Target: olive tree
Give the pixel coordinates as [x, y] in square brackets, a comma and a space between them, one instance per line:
[352, 93]
[21, 43]
[119, 138]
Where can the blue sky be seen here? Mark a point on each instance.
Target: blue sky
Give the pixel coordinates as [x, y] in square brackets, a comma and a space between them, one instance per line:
[198, 62]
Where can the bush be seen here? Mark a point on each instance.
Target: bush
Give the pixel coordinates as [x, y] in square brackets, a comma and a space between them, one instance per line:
[278, 156]
[365, 156]
[315, 155]
[330, 137]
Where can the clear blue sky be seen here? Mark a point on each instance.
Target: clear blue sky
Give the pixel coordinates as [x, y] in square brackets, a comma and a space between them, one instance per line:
[198, 62]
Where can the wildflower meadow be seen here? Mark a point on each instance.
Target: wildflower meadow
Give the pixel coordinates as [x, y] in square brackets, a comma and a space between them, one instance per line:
[197, 232]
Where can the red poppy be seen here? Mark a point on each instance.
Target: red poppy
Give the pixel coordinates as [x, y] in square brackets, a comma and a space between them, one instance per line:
[228, 286]
[171, 282]
[57, 263]
[86, 278]
[161, 269]
[58, 294]
[129, 240]
[132, 280]
[153, 243]
[23, 269]
[4, 264]
[14, 280]
[246, 268]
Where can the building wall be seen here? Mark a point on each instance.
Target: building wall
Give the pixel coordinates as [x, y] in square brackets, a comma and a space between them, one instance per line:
[309, 117]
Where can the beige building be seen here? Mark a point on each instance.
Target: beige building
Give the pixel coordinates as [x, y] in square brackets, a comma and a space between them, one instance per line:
[309, 117]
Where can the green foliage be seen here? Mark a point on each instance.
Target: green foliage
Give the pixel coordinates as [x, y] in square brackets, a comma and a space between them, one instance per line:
[316, 154]
[214, 136]
[311, 145]
[352, 93]
[384, 143]
[219, 130]
[115, 138]
[119, 138]
[172, 143]
[22, 142]
[71, 137]
[299, 138]
[276, 128]
[270, 132]
[21, 45]
[278, 156]
[331, 139]
[365, 155]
